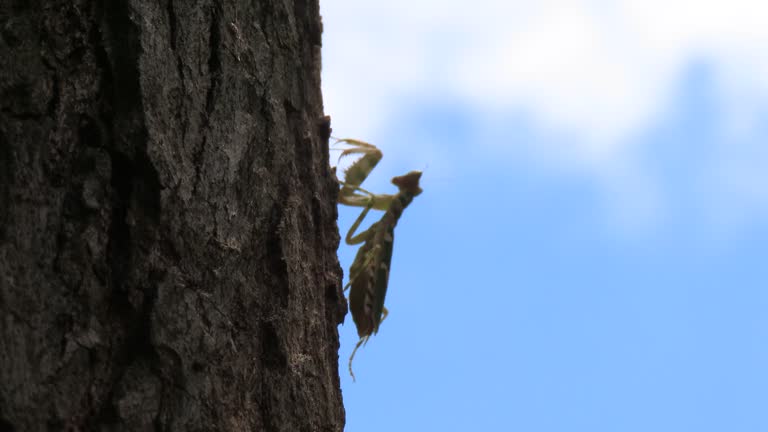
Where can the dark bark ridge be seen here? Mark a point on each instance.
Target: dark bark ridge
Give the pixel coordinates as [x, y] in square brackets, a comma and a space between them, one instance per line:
[167, 218]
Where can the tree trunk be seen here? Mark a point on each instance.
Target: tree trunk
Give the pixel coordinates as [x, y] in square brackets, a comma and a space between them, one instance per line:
[167, 218]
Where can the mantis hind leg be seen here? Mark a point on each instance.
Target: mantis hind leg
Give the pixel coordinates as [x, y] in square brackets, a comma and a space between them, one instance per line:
[359, 343]
[362, 342]
[384, 314]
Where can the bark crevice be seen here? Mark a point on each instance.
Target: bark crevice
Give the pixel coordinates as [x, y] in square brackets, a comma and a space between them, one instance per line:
[167, 219]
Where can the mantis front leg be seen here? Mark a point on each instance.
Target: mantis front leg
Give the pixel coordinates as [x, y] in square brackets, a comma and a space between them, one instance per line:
[355, 175]
[364, 340]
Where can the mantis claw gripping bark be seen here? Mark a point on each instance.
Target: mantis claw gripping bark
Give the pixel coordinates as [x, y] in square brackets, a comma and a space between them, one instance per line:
[369, 273]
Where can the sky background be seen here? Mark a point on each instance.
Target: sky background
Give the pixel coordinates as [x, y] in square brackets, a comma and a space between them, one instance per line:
[589, 252]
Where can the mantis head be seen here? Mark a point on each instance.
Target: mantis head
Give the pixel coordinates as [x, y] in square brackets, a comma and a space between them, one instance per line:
[408, 183]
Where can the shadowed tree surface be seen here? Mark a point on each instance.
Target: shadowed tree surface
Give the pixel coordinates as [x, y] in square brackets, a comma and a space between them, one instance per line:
[167, 218]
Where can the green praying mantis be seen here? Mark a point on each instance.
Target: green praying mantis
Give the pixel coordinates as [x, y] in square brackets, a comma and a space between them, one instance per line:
[369, 273]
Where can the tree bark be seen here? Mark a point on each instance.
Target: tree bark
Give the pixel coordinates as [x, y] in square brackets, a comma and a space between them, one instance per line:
[167, 218]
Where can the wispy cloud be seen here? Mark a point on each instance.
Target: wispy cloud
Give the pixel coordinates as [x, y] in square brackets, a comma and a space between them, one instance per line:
[601, 69]
[600, 72]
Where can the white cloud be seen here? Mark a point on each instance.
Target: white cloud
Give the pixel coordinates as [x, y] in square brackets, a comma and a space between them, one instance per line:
[599, 71]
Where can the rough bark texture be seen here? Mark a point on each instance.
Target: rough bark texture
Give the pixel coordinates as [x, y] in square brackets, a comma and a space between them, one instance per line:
[167, 218]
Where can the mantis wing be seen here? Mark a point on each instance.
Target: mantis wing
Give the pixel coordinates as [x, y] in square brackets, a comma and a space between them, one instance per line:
[370, 276]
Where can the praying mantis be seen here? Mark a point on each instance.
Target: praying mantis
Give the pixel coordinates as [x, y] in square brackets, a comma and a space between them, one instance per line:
[369, 272]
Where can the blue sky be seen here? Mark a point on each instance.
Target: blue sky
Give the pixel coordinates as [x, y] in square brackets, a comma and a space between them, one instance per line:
[589, 252]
